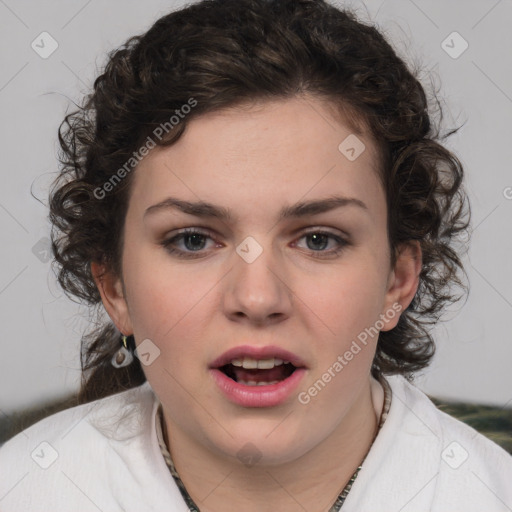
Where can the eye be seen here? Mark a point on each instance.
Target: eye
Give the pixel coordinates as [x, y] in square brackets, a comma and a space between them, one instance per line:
[192, 243]
[187, 242]
[317, 241]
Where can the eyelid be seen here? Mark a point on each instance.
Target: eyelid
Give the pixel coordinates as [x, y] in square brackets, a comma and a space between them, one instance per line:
[189, 230]
[324, 229]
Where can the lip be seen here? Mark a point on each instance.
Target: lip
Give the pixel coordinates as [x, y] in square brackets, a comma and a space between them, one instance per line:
[257, 396]
[257, 353]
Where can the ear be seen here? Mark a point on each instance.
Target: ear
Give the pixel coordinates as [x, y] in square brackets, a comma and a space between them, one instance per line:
[113, 297]
[403, 281]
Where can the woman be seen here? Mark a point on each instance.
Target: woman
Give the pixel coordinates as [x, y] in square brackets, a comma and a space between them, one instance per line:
[256, 195]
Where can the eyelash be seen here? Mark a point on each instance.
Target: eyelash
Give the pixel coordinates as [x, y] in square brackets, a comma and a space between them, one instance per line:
[167, 244]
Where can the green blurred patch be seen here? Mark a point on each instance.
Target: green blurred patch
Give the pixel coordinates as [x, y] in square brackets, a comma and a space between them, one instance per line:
[493, 422]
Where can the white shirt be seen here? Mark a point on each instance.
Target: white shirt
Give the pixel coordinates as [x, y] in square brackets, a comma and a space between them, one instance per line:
[104, 456]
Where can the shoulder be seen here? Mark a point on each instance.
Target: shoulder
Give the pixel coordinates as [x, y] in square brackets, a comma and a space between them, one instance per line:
[445, 427]
[424, 459]
[90, 419]
[472, 469]
[85, 457]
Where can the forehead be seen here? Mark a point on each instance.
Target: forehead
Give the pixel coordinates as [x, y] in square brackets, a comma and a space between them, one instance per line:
[262, 154]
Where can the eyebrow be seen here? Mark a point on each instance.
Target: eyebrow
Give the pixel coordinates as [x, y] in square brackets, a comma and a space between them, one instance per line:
[300, 209]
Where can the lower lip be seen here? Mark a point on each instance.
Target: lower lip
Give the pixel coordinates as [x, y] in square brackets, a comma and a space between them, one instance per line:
[258, 396]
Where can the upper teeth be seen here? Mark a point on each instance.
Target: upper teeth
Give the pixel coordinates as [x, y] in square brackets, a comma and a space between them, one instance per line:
[262, 364]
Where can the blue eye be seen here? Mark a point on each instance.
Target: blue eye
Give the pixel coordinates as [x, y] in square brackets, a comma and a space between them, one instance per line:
[191, 243]
[317, 242]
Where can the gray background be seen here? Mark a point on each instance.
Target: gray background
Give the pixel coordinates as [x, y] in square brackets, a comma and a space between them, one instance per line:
[40, 327]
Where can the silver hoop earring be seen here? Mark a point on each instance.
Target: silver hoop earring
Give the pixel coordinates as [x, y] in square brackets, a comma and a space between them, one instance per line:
[124, 356]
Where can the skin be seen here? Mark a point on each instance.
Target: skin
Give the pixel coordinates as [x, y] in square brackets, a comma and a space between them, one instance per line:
[254, 161]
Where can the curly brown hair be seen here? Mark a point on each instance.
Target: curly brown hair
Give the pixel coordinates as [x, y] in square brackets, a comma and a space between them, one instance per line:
[224, 53]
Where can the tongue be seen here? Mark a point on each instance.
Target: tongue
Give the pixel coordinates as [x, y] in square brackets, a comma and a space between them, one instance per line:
[276, 373]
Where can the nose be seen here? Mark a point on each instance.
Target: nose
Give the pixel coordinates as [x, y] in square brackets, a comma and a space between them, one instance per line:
[257, 292]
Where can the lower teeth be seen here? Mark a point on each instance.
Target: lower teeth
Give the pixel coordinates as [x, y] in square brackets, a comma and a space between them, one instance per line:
[254, 383]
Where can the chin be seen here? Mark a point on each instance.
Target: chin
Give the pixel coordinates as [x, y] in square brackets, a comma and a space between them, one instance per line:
[254, 446]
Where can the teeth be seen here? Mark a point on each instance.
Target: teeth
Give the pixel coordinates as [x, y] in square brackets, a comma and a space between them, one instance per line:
[249, 363]
[266, 364]
[254, 383]
[262, 364]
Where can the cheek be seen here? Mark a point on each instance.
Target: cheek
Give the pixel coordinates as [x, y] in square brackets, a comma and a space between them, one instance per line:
[165, 300]
[350, 307]
[346, 301]
[169, 309]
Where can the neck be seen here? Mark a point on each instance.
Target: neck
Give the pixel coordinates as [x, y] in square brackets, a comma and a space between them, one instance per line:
[310, 482]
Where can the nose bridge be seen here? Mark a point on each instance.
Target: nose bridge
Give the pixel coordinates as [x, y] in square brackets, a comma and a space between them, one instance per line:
[257, 288]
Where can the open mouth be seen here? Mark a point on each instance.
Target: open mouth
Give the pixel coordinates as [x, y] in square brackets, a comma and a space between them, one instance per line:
[263, 372]
[250, 376]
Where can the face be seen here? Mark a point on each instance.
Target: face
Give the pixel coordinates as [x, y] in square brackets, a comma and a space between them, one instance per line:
[271, 279]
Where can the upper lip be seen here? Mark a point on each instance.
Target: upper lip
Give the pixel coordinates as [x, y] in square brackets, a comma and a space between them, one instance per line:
[257, 353]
